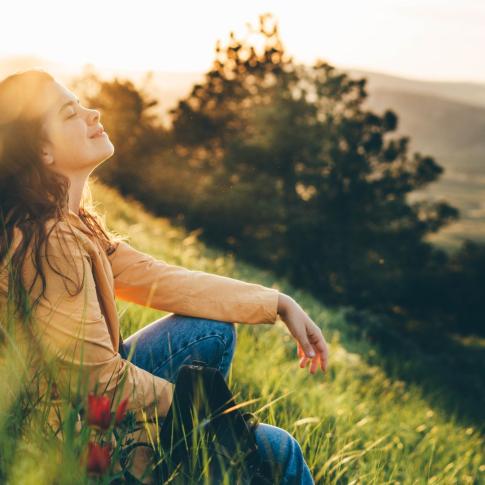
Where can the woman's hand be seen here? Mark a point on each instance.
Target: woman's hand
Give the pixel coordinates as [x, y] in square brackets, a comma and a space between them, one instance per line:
[310, 341]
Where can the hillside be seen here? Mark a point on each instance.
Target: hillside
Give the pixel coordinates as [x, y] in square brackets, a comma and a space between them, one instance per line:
[387, 409]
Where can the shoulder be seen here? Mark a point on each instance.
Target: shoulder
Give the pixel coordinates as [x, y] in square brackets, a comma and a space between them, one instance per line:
[61, 236]
[68, 252]
[62, 228]
[61, 257]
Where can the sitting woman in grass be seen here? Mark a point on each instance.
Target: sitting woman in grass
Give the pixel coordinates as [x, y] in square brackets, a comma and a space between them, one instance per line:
[62, 256]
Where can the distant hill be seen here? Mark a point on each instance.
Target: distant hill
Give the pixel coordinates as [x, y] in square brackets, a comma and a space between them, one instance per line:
[426, 116]
[443, 119]
[464, 92]
[447, 121]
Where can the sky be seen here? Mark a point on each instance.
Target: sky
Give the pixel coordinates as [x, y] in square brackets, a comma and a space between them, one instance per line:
[420, 39]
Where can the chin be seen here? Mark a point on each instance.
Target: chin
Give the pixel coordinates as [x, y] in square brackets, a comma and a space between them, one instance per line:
[99, 162]
[111, 150]
[108, 152]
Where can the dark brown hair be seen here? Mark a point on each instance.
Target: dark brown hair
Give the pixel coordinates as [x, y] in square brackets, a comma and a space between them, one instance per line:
[31, 193]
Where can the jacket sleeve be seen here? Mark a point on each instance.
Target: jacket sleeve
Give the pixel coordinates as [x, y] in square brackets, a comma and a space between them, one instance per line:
[72, 328]
[143, 279]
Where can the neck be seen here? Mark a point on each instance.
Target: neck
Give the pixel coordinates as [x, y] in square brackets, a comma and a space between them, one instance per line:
[76, 190]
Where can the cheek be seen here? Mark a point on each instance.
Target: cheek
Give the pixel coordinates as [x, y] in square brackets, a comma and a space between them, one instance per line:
[76, 133]
[71, 145]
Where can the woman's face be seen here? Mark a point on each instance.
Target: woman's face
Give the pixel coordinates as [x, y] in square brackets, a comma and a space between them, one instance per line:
[69, 127]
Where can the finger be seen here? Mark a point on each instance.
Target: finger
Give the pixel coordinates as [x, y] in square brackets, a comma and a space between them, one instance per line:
[322, 353]
[314, 365]
[304, 361]
[322, 349]
[325, 356]
[300, 350]
[307, 347]
[323, 362]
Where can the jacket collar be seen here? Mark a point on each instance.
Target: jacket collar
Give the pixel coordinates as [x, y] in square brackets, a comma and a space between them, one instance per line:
[76, 221]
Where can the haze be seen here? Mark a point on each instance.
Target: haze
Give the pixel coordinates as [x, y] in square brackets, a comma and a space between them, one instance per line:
[421, 39]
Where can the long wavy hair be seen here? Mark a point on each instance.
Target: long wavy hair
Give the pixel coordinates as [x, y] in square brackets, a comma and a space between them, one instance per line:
[31, 193]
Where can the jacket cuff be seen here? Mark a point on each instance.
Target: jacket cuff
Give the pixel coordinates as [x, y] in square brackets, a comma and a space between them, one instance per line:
[270, 304]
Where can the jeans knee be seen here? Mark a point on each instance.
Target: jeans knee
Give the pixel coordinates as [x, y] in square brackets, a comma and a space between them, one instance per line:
[231, 334]
[278, 445]
[227, 331]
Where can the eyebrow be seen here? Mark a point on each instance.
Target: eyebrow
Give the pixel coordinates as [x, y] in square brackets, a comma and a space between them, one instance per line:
[69, 103]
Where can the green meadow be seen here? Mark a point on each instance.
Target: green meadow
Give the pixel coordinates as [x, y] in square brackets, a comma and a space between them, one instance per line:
[389, 410]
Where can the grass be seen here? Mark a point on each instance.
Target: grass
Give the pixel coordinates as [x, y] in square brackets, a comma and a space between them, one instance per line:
[375, 416]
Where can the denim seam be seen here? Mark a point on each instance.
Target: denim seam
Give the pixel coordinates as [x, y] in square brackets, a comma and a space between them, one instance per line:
[192, 343]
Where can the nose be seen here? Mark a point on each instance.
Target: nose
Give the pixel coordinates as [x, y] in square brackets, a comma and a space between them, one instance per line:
[95, 115]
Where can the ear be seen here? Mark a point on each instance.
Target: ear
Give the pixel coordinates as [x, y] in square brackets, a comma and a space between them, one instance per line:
[46, 155]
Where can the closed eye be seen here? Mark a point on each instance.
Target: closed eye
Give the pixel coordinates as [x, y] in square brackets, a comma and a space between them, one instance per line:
[72, 104]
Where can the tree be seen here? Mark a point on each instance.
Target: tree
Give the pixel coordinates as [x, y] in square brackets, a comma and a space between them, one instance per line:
[295, 174]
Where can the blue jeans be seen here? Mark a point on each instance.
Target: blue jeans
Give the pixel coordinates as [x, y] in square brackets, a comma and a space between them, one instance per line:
[165, 344]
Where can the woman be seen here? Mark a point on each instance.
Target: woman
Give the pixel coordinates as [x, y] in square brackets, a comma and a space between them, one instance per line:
[73, 268]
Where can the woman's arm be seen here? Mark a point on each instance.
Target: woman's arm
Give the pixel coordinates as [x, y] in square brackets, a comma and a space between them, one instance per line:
[143, 279]
[72, 328]
[284, 302]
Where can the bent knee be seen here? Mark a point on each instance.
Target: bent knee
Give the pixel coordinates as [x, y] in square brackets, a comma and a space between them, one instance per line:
[277, 442]
[226, 330]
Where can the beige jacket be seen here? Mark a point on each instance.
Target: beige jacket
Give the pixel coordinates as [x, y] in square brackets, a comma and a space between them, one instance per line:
[83, 330]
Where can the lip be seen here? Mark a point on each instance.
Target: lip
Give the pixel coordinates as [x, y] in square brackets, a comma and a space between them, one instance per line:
[98, 132]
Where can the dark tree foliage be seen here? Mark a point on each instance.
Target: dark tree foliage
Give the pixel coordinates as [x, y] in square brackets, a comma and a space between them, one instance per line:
[298, 176]
[462, 289]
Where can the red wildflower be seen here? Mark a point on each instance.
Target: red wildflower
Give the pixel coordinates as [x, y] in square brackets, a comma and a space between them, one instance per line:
[98, 459]
[121, 411]
[99, 411]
